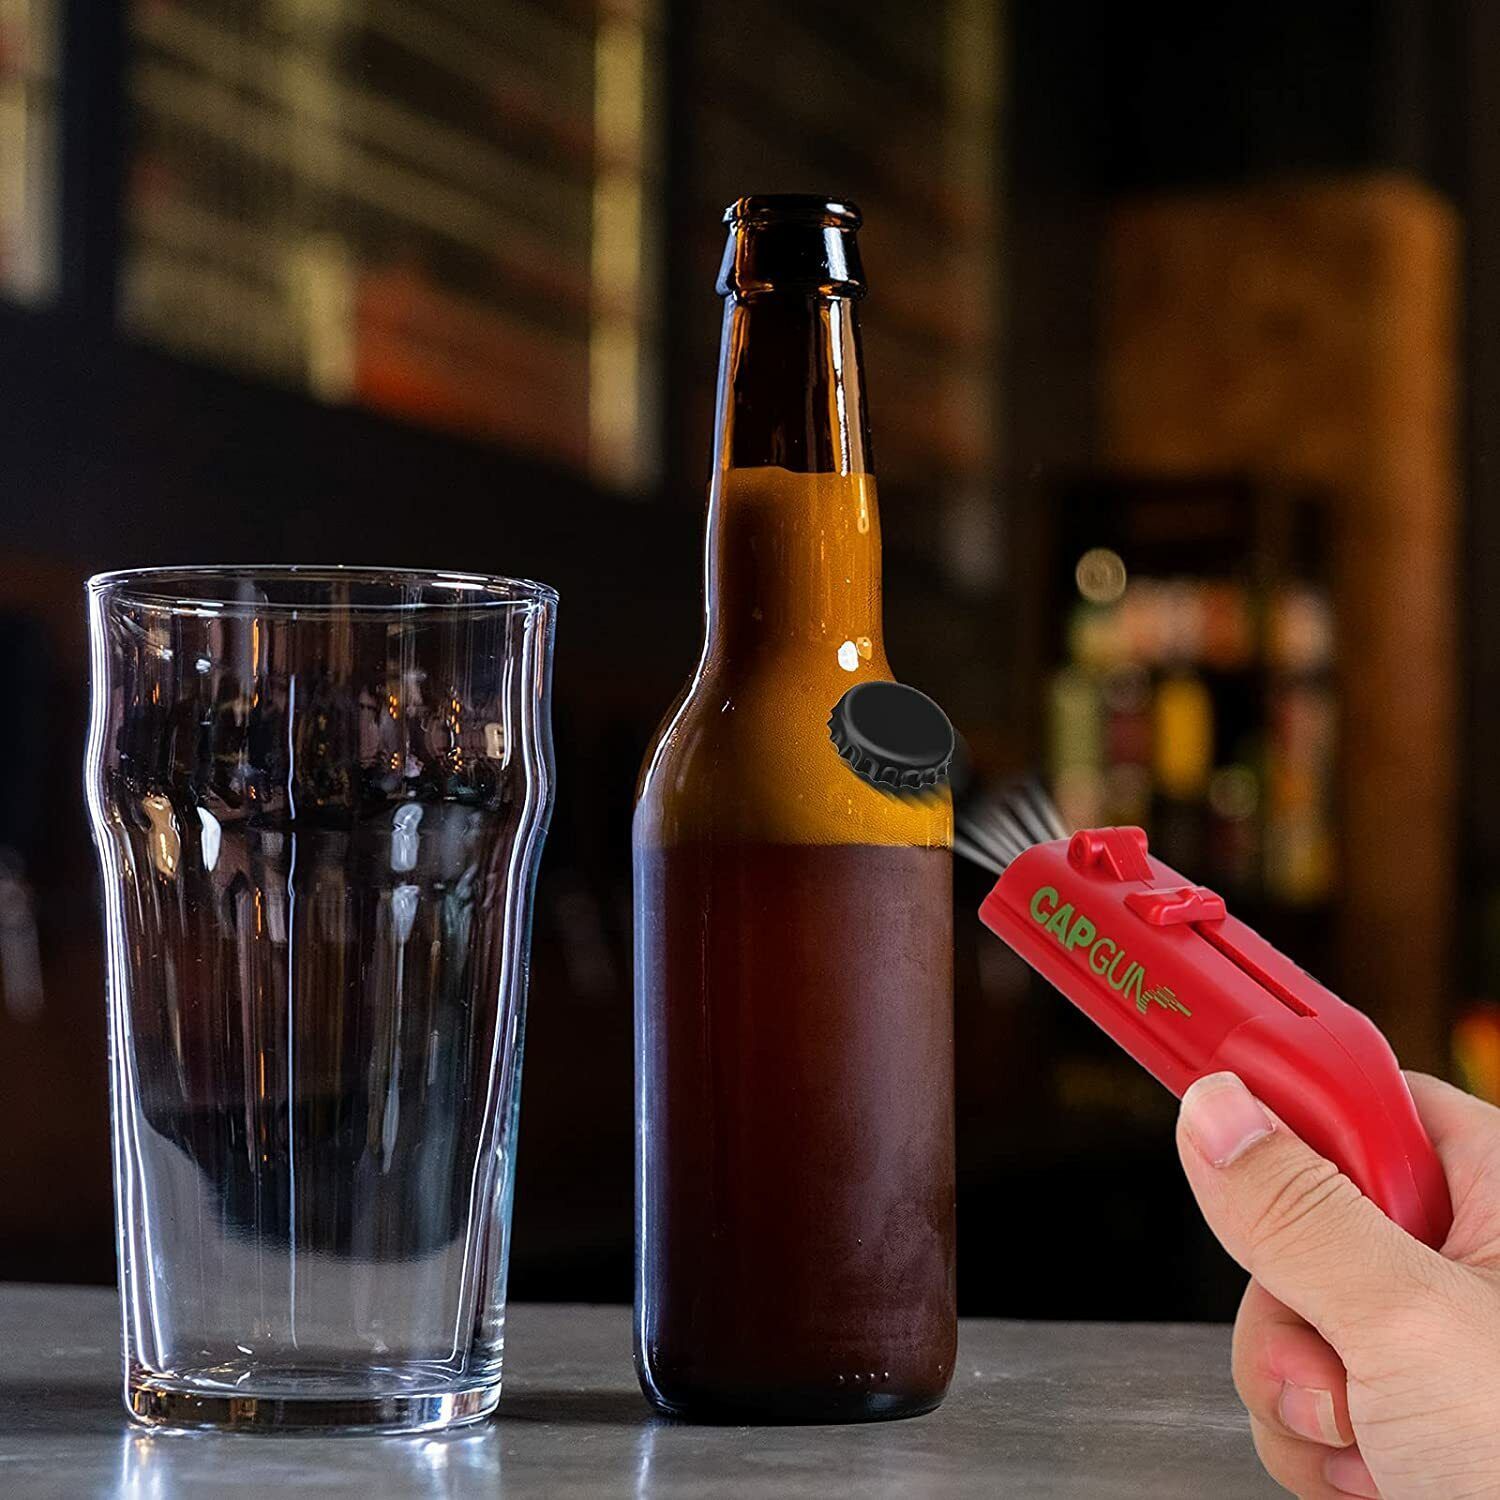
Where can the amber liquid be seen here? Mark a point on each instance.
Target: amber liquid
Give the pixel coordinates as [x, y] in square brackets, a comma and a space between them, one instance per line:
[795, 1098]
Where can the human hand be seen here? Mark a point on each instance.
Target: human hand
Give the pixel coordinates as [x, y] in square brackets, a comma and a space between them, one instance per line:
[1370, 1364]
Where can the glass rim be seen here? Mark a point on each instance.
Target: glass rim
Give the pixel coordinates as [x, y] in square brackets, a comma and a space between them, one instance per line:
[195, 590]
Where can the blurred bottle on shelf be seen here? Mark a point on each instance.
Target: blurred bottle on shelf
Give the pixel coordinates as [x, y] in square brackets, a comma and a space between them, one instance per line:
[1076, 757]
[1475, 1039]
[1234, 831]
[20, 950]
[1183, 758]
[1193, 692]
[27, 681]
[1302, 715]
[1476, 1050]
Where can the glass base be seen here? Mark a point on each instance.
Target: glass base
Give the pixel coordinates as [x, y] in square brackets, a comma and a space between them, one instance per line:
[183, 1407]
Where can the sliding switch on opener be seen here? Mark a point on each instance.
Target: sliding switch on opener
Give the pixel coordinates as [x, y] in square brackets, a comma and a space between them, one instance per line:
[1177, 904]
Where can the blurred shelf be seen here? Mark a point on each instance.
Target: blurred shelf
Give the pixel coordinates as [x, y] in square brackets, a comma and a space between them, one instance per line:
[30, 181]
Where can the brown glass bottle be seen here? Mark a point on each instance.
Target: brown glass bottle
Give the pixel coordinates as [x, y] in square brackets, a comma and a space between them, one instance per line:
[794, 1066]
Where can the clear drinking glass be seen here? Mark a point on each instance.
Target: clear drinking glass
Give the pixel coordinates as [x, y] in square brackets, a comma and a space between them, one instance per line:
[319, 797]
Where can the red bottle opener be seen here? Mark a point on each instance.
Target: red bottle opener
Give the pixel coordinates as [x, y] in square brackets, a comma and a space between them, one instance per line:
[1186, 989]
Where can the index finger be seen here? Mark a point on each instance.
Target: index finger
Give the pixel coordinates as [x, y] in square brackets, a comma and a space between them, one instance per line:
[1286, 1373]
[1456, 1123]
[1465, 1133]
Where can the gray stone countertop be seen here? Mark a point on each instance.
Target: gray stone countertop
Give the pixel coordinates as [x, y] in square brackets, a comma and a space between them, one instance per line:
[1036, 1410]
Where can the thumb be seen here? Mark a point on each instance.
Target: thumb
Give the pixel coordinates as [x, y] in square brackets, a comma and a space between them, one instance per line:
[1290, 1217]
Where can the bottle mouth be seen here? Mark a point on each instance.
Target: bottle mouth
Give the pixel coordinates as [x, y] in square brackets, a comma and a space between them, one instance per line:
[793, 208]
[798, 243]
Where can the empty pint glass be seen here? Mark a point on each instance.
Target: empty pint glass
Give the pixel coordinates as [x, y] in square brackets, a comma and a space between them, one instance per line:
[319, 797]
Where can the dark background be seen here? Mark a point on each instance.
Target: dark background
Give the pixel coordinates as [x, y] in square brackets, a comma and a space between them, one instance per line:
[125, 442]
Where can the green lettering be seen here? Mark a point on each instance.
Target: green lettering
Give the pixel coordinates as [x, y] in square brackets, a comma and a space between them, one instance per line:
[1076, 932]
[1083, 932]
[1044, 903]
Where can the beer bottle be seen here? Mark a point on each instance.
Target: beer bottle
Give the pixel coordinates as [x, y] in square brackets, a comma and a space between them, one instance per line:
[793, 925]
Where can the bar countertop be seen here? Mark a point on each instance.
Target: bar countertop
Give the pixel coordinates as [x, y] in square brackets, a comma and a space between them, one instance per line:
[1037, 1409]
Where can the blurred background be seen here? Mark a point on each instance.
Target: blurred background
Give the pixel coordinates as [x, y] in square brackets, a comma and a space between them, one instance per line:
[1183, 349]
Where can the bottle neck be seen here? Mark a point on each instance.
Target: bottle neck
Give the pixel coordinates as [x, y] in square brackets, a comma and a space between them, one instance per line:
[793, 556]
[790, 386]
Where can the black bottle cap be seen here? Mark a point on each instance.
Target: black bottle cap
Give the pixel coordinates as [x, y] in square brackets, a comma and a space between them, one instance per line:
[895, 737]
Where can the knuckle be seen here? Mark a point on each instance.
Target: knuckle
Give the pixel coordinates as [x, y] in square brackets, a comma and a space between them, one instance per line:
[1416, 1318]
[1423, 1298]
[1298, 1204]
